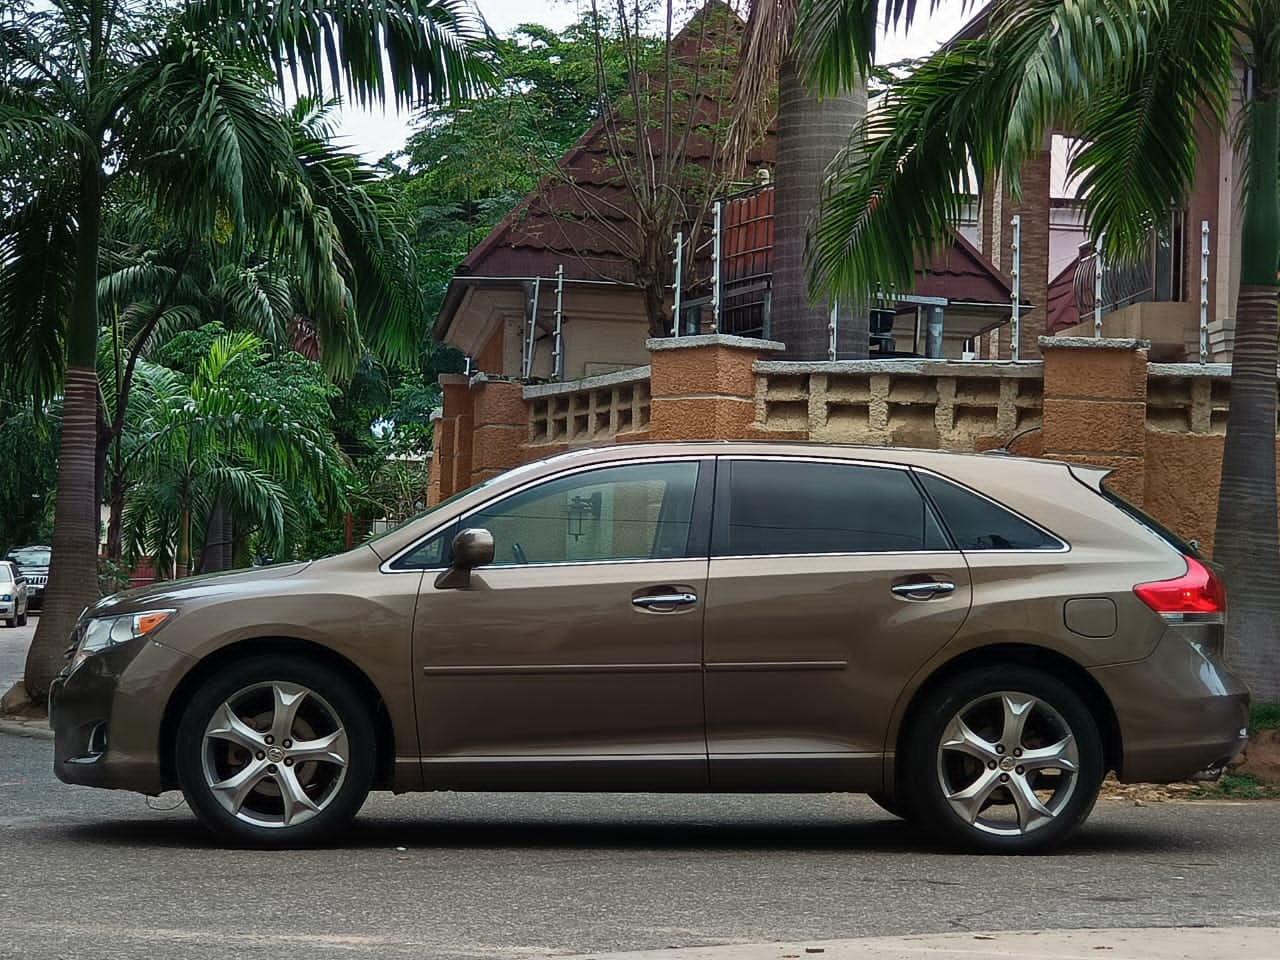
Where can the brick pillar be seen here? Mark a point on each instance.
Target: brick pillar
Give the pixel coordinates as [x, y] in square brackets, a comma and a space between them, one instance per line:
[1095, 406]
[1033, 207]
[703, 388]
[451, 441]
[500, 419]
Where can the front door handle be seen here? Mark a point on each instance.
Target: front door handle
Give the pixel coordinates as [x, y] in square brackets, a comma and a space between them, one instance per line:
[925, 590]
[671, 600]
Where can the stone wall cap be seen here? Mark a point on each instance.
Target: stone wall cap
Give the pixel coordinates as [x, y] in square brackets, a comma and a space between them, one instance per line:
[1221, 370]
[1093, 343]
[453, 379]
[713, 340]
[918, 366]
[599, 381]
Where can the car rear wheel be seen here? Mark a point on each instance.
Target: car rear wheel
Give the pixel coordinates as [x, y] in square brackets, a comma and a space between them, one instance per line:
[1004, 760]
[275, 751]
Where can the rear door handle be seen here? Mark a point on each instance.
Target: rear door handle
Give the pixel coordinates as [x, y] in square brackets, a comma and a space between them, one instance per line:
[671, 600]
[925, 590]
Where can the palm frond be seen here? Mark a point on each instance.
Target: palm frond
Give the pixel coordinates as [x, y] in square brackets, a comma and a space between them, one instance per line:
[416, 51]
[1141, 130]
[907, 172]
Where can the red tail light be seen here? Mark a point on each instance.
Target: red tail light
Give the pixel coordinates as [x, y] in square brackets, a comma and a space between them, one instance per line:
[1198, 591]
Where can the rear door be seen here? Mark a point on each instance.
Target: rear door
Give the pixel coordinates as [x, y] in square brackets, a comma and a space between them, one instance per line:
[830, 583]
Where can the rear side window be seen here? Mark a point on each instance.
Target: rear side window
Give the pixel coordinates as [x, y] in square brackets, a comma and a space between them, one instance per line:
[976, 523]
[774, 507]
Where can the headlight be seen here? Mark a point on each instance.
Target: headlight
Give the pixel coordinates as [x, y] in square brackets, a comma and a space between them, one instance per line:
[102, 633]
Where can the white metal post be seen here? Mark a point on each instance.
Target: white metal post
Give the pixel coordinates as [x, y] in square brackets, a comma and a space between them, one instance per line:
[1099, 267]
[833, 330]
[679, 281]
[1017, 286]
[715, 266]
[557, 354]
[1204, 291]
[531, 329]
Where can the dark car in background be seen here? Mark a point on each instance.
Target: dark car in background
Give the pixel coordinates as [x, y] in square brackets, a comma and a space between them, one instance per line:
[972, 640]
[33, 562]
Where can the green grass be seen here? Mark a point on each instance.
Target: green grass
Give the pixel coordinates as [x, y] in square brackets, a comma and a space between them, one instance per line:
[1264, 716]
[1236, 786]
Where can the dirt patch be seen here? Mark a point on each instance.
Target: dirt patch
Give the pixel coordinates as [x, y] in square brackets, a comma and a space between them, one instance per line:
[1142, 794]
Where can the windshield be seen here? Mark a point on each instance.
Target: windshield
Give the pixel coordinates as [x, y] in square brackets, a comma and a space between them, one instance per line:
[30, 557]
[425, 513]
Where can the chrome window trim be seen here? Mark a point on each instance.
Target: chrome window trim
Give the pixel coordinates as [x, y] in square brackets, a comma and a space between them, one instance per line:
[1063, 546]
[385, 566]
[950, 554]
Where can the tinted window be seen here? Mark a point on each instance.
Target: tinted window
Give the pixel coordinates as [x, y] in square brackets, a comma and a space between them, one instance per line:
[977, 523]
[779, 507]
[638, 511]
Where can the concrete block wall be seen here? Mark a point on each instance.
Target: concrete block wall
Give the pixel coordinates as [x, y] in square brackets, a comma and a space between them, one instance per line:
[1096, 401]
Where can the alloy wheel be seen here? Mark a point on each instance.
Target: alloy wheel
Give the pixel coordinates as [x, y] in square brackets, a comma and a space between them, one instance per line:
[275, 754]
[1008, 763]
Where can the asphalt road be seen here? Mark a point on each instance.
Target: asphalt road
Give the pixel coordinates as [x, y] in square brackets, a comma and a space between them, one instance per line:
[95, 874]
[14, 642]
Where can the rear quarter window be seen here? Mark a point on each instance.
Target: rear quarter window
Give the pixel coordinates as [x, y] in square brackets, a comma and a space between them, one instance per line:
[978, 523]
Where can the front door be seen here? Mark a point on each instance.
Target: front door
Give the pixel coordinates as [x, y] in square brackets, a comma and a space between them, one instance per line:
[830, 583]
[573, 661]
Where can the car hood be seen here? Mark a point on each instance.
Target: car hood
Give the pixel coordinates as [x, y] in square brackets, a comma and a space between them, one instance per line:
[174, 593]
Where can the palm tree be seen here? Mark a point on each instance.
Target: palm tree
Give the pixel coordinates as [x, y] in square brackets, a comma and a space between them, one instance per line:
[816, 55]
[172, 94]
[1133, 78]
[216, 442]
[155, 284]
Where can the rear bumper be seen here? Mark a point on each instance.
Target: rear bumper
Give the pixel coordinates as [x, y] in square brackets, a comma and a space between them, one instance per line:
[1182, 713]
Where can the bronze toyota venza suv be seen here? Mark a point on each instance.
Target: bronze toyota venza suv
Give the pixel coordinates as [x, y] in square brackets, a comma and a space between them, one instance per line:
[972, 640]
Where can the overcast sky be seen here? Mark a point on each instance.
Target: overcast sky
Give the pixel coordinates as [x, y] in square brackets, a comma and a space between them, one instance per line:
[376, 134]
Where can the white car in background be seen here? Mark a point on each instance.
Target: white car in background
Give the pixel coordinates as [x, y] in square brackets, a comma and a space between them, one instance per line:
[13, 595]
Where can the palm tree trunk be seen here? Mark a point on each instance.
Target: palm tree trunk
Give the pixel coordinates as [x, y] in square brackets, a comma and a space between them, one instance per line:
[73, 567]
[811, 132]
[1246, 542]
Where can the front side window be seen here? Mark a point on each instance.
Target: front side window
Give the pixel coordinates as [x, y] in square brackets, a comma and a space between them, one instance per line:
[634, 512]
[802, 507]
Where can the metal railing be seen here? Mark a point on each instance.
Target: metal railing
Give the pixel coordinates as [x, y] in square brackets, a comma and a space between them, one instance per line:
[1102, 286]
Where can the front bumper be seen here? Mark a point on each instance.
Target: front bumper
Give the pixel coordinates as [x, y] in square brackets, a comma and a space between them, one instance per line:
[107, 715]
[1182, 714]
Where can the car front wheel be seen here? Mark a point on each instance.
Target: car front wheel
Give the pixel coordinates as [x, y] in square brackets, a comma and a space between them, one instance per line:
[275, 751]
[1004, 760]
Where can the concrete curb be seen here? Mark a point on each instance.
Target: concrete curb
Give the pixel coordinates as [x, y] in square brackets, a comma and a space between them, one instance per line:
[35, 729]
[1164, 943]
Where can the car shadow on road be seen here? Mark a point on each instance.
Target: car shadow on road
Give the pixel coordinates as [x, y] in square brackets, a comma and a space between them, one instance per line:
[886, 836]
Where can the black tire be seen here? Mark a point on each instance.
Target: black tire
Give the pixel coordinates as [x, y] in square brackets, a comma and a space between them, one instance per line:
[890, 805]
[245, 727]
[983, 788]
[22, 620]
